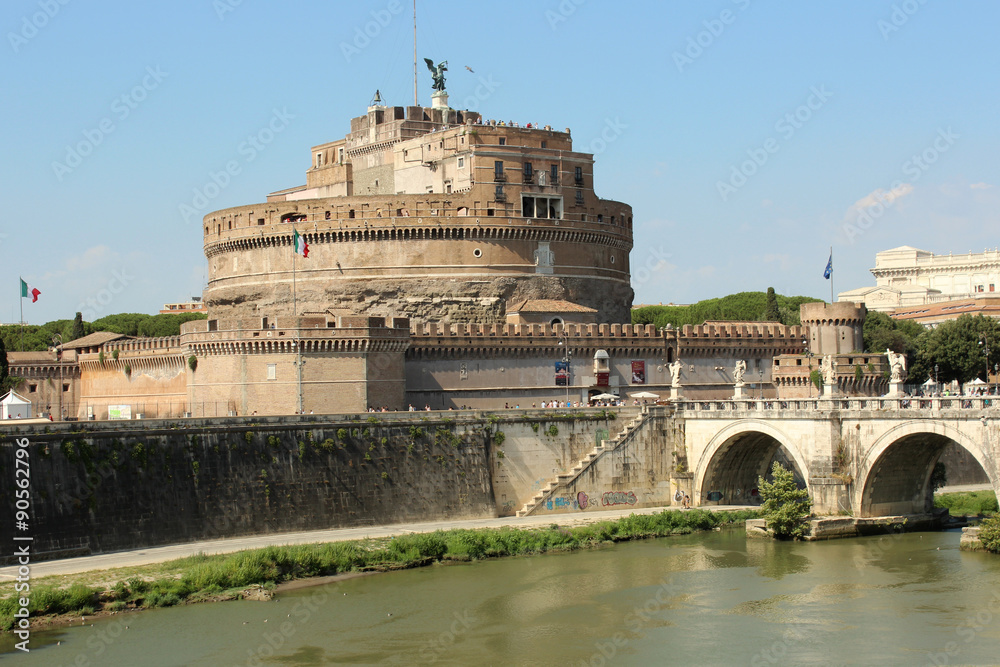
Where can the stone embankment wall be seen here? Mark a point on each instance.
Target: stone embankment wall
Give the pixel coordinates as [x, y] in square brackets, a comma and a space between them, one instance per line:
[137, 484]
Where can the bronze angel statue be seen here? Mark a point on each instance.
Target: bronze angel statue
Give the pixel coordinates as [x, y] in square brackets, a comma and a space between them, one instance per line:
[437, 73]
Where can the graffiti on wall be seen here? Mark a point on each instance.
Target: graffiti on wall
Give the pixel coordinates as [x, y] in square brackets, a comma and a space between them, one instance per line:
[611, 498]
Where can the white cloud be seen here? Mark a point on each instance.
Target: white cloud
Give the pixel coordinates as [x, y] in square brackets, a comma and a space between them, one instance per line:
[981, 186]
[880, 197]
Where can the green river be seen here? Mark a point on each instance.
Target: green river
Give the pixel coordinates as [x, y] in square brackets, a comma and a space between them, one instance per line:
[704, 599]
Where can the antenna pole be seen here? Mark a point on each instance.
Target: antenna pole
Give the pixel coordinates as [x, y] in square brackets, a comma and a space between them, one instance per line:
[415, 102]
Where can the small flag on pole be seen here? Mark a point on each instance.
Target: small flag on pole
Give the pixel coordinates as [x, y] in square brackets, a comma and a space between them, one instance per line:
[301, 247]
[829, 268]
[29, 291]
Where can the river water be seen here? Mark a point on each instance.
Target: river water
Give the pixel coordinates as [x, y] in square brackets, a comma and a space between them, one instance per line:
[711, 599]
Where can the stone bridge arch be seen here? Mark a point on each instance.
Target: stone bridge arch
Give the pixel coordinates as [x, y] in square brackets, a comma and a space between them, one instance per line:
[741, 452]
[895, 471]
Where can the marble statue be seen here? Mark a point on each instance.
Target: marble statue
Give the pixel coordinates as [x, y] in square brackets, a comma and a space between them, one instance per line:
[738, 372]
[675, 373]
[897, 366]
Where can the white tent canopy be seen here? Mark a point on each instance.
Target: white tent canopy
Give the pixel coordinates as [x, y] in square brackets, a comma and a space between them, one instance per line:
[644, 394]
[604, 397]
[15, 406]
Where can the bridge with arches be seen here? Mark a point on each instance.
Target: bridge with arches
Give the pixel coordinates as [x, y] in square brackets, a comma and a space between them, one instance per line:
[866, 456]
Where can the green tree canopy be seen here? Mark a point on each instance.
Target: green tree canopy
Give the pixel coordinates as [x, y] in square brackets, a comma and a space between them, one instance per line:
[39, 337]
[958, 348]
[78, 330]
[744, 306]
[167, 324]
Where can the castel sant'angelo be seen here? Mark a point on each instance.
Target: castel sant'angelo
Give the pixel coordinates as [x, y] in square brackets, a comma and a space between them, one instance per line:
[452, 262]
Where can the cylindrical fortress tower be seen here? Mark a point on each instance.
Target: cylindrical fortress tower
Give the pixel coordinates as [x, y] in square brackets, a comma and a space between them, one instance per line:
[430, 214]
[834, 328]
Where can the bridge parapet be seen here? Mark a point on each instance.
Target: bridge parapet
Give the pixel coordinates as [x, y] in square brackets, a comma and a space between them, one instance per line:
[793, 408]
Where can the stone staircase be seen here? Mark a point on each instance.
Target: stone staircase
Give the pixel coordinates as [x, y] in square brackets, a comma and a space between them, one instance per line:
[565, 478]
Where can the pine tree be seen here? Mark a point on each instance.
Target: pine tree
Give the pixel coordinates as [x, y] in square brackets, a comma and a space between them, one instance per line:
[784, 504]
[771, 312]
[77, 331]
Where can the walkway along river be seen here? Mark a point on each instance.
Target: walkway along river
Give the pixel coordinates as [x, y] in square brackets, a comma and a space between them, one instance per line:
[710, 598]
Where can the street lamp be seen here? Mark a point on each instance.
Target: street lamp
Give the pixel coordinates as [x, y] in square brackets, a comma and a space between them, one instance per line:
[57, 340]
[984, 340]
[809, 354]
[567, 356]
[760, 383]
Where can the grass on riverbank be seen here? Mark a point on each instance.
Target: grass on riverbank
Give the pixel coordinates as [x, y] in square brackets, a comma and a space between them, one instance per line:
[213, 577]
[967, 502]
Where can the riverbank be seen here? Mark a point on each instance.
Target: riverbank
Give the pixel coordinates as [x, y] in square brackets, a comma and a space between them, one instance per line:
[203, 578]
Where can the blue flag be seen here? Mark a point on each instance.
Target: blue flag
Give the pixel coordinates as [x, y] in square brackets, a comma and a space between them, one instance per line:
[829, 268]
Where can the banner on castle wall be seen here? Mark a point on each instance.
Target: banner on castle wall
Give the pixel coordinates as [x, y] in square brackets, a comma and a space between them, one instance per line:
[603, 378]
[119, 412]
[638, 372]
[562, 373]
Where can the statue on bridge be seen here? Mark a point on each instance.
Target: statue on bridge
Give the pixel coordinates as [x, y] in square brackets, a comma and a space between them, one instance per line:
[738, 372]
[828, 367]
[897, 366]
[675, 373]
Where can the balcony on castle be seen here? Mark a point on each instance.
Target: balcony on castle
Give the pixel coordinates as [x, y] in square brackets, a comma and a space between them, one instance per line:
[499, 178]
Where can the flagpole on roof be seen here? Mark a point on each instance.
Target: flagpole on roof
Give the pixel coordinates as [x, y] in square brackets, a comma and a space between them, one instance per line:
[831, 275]
[20, 294]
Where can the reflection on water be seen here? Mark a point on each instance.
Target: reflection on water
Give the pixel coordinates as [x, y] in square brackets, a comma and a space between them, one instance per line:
[713, 598]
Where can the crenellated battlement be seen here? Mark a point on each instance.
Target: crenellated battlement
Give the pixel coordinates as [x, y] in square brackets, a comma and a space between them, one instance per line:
[752, 330]
[554, 332]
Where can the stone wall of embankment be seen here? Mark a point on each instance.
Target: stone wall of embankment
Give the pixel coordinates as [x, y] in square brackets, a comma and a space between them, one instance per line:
[105, 486]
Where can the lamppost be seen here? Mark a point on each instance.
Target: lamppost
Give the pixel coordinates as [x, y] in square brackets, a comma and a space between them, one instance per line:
[809, 354]
[984, 340]
[760, 383]
[567, 356]
[937, 387]
[57, 340]
[299, 363]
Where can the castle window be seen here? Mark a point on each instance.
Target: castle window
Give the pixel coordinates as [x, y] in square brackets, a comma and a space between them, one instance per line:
[340, 155]
[490, 212]
[447, 187]
[579, 197]
[319, 160]
[578, 175]
[498, 171]
[32, 388]
[545, 144]
[326, 215]
[260, 221]
[65, 386]
[477, 253]
[600, 217]
[350, 214]
[554, 172]
[527, 172]
[461, 163]
[612, 259]
[503, 141]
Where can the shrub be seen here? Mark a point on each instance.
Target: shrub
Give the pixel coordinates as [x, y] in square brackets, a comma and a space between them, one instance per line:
[193, 363]
[989, 533]
[553, 430]
[784, 505]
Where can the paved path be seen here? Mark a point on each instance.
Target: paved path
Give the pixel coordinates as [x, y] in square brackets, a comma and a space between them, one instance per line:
[962, 488]
[174, 551]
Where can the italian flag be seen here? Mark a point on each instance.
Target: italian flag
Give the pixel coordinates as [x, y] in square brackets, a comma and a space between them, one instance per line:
[27, 290]
[301, 247]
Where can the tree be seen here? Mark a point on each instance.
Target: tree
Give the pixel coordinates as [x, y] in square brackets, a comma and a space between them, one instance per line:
[989, 533]
[5, 380]
[957, 348]
[78, 331]
[744, 306]
[784, 504]
[771, 312]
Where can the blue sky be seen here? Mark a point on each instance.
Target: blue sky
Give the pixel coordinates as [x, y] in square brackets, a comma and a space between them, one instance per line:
[749, 137]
